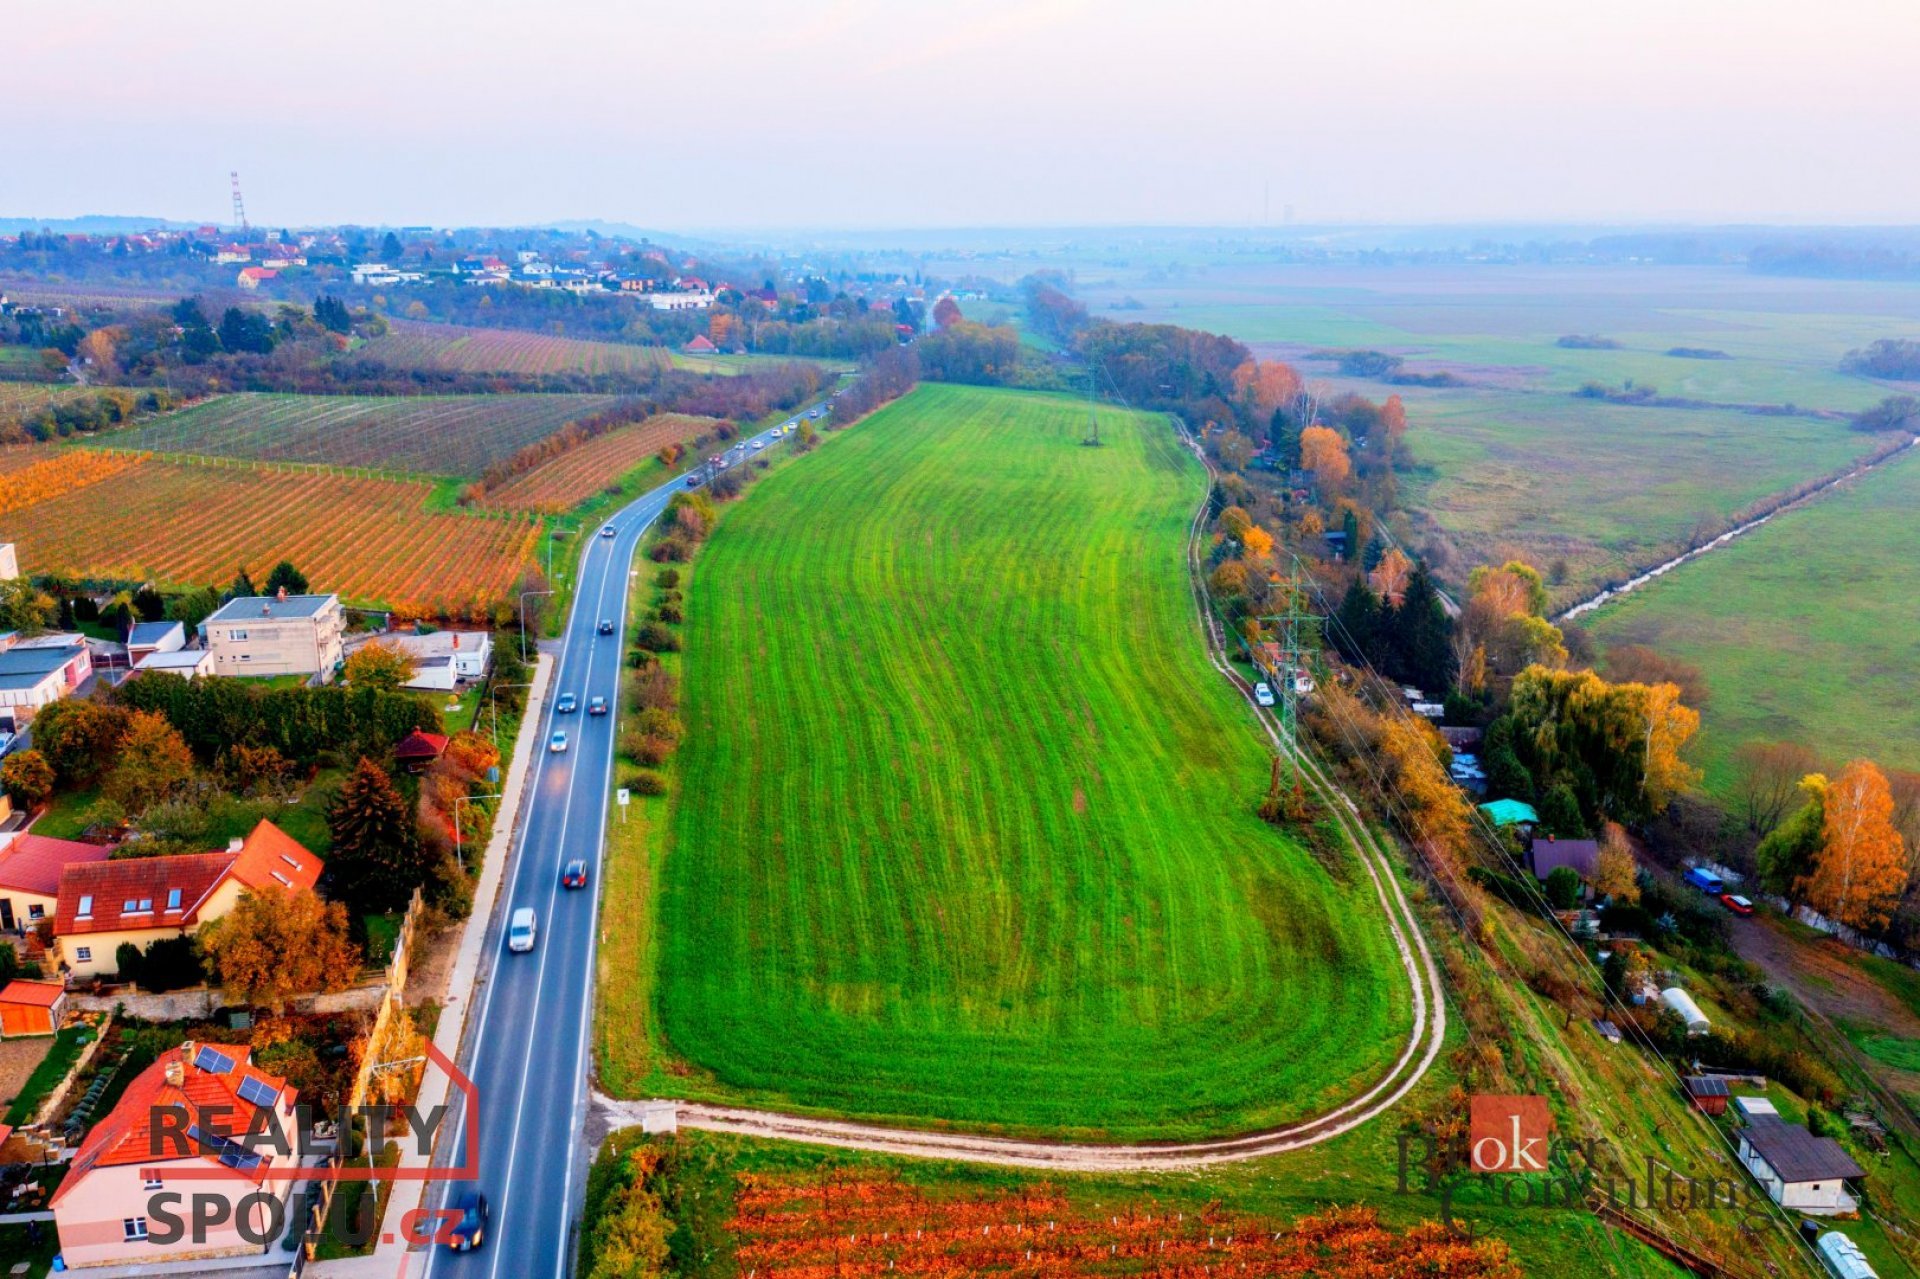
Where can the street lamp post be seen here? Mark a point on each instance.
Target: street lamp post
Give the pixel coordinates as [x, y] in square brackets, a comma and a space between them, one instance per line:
[459, 844]
[524, 597]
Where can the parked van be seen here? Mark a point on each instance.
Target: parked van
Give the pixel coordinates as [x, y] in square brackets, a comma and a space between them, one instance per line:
[520, 931]
[1706, 881]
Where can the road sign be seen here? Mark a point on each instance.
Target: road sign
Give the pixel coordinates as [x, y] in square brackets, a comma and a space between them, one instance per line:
[622, 795]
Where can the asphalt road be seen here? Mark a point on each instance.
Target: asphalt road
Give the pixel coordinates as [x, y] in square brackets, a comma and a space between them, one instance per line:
[529, 1055]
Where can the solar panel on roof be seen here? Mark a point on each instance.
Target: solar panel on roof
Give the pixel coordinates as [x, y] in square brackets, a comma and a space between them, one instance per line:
[213, 1061]
[231, 1153]
[258, 1092]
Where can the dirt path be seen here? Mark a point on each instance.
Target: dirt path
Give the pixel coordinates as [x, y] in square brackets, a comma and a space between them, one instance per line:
[1423, 1044]
[1822, 975]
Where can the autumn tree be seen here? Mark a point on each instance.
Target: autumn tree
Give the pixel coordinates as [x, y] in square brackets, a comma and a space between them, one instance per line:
[277, 944]
[26, 608]
[1861, 868]
[1617, 747]
[1505, 620]
[378, 665]
[1266, 386]
[1323, 452]
[946, 311]
[1766, 775]
[152, 764]
[376, 860]
[79, 736]
[1639, 664]
[1615, 875]
[27, 778]
[1389, 577]
[1258, 541]
[631, 1242]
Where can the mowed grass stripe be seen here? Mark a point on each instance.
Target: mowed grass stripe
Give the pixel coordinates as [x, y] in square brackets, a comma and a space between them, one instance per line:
[965, 831]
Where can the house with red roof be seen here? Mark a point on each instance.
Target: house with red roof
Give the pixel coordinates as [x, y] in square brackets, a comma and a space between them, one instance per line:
[181, 1129]
[142, 900]
[418, 750]
[30, 868]
[700, 344]
[252, 277]
[31, 1007]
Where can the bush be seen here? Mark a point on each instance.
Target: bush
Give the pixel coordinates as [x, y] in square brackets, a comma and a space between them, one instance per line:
[668, 578]
[646, 781]
[656, 638]
[673, 549]
[669, 613]
[1563, 887]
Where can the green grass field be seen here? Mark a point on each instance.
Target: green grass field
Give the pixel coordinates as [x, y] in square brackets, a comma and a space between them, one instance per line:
[429, 434]
[965, 826]
[1804, 627]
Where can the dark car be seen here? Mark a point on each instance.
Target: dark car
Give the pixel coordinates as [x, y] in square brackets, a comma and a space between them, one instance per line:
[606, 626]
[575, 875]
[596, 706]
[567, 705]
[470, 1231]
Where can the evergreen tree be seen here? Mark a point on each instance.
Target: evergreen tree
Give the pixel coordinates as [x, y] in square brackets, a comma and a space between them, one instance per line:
[242, 586]
[332, 314]
[390, 250]
[1560, 813]
[1359, 632]
[1423, 634]
[286, 576]
[376, 861]
[149, 604]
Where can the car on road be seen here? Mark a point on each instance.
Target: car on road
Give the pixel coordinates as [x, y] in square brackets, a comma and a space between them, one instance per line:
[607, 531]
[758, 445]
[792, 422]
[567, 705]
[575, 875]
[470, 1230]
[693, 481]
[596, 706]
[521, 931]
[606, 626]
[815, 414]
[1263, 694]
[1737, 904]
[558, 742]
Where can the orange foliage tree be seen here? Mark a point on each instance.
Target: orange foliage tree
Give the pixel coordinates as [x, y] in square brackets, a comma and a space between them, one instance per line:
[1861, 868]
[1268, 384]
[1323, 452]
[1389, 578]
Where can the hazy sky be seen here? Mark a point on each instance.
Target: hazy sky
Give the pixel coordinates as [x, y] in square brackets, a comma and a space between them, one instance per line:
[893, 113]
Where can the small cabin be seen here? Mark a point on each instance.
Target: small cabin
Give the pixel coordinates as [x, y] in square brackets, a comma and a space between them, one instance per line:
[1708, 1093]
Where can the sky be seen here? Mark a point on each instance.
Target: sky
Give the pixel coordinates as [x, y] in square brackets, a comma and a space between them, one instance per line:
[917, 113]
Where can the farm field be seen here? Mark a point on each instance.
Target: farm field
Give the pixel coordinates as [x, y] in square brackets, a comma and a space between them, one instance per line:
[975, 842]
[1804, 628]
[564, 482]
[187, 524]
[428, 434]
[1511, 462]
[412, 344]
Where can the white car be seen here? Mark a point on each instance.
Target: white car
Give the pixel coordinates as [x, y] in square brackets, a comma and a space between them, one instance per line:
[558, 743]
[520, 931]
[607, 531]
[1263, 694]
[758, 445]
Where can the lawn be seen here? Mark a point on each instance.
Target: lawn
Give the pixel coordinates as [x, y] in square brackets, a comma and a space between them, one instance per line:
[965, 829]
[1804, 628]
[66, 1049]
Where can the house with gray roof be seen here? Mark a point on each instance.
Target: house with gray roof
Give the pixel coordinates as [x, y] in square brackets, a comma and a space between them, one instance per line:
[282, 634]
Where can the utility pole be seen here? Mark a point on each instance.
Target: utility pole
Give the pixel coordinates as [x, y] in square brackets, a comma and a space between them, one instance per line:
[239, 208]
[1295, 627]
[1092, 439]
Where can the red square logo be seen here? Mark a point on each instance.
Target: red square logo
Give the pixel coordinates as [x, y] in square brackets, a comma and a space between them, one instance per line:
[1508, 1134]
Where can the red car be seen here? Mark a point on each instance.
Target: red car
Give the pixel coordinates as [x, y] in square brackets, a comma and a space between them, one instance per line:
[1738, 905]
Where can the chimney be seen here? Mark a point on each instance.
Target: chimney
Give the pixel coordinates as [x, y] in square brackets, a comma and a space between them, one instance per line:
[456, 641]
[176, 1071]
[266, 609]
[280, 594]
[236, 844]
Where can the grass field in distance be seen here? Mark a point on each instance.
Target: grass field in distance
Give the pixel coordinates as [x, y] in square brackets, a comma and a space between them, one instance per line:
[966, 825]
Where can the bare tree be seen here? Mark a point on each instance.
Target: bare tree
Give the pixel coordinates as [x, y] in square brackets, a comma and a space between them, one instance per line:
[1767, 778]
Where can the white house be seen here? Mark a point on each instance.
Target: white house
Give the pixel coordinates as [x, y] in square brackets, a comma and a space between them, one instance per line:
[443, 660]
[187, 663]
[697, 300]
[276, 635]
[147, 638]
[1800, 1172]
[37, 674]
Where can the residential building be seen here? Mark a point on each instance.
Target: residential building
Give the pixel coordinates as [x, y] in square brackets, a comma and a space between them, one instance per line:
[232, 253]
[38, 673]
[1549, 854]
[102, 1208]
[30, 870]
[1510, 812]
[699, 344]
[443, 660]
[144, 638]
[252, 277]
[418, 750]
[698, 300]
[276, 635]
[187, 663]
[32, 1008]
[147, 899]
[1799, 1171]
